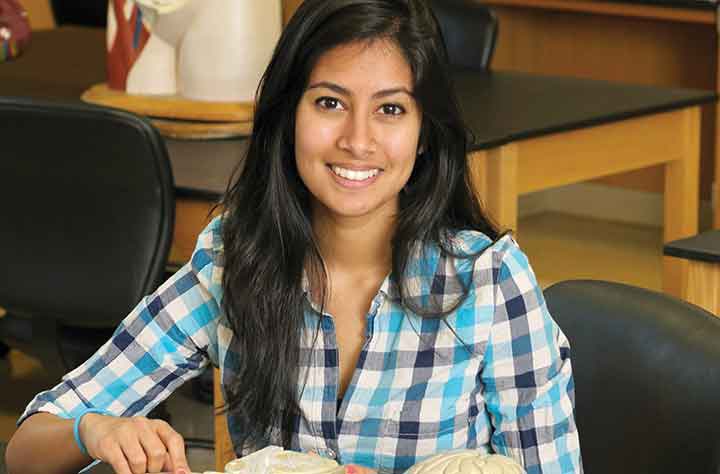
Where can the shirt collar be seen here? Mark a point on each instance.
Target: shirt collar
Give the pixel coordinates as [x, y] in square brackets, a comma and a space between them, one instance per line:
[388, 288]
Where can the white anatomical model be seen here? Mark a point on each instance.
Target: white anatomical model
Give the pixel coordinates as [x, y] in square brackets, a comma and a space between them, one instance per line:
[275, 460]
[467, 462]
[212, 50]
[155, 71]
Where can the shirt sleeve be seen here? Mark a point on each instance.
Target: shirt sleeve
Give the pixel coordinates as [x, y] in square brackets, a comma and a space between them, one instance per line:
[527, 373]
[169, 338]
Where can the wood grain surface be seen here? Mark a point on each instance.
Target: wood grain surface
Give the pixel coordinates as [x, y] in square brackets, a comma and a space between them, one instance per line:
[173, 107]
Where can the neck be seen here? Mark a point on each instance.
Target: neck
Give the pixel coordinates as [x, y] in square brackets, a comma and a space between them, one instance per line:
[355, 245]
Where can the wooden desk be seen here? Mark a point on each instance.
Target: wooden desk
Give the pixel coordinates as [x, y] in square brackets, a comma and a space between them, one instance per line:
[683, 11]
[534, 133]
[703, 255]
[654, 42]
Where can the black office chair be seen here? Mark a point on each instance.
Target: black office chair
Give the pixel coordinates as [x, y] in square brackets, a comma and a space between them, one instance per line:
[469, 30]
[647, 377]
[80, 12]
[87, 211]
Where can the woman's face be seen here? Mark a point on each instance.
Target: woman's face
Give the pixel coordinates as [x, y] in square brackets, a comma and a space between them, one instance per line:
[357, 130]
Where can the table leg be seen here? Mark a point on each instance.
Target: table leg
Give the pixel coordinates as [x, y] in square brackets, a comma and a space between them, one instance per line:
[224, 452]
[477, 167]
[703, 285]
[716, 181]
[501, 179]
[191, 217]
[682, 200]
[716, 141]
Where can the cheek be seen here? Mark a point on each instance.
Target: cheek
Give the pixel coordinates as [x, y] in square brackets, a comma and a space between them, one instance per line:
[313, 137]
[402, 150]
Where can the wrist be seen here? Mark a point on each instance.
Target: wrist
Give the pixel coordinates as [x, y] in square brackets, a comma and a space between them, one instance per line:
[78, 425]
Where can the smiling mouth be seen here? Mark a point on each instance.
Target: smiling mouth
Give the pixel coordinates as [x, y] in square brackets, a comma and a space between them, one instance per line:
[354, 175]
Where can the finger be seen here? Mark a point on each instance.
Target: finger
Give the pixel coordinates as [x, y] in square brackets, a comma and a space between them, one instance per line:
[114, 456]
[355, 469]
[135, 455]
[175, 446]
[155, 450]
[167, 464]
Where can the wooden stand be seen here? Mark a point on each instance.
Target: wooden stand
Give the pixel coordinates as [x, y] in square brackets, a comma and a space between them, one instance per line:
[186, 130]
[177, 117]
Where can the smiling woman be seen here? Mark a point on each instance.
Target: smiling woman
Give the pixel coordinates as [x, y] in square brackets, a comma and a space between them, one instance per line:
[354, 295]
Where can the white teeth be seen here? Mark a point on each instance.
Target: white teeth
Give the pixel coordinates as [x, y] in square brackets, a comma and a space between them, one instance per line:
[354, 175]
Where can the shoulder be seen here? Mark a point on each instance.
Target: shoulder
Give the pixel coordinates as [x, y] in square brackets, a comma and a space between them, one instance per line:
[473, 242]
[500, 278]
[469, 241]
[444, 272]
[210, 239]
[477, 250]
[460, 245]
[491, 262]
[207, 258]
[509, 262]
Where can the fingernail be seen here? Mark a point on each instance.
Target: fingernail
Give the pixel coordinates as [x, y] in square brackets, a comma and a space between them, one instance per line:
[351, 470]
[182, 471]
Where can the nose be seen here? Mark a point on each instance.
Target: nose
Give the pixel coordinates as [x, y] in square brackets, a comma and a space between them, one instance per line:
[357, 136]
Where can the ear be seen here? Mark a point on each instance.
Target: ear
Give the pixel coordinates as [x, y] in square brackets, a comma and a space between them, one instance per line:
[422, 138]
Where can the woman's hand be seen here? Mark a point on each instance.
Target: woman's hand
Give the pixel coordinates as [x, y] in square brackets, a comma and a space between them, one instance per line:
[134, 445]
[355, 469]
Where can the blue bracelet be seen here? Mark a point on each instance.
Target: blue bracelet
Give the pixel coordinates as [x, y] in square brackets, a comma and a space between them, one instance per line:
[76, 426]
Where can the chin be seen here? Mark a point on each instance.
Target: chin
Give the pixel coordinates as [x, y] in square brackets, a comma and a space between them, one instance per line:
[350, 212]
[345, 207]
[336, 207]
[378, 212]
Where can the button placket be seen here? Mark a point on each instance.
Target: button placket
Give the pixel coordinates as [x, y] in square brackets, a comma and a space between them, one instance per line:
[329, 407]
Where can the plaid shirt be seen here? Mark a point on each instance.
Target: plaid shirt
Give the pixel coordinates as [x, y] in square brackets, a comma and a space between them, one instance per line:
[494, 376]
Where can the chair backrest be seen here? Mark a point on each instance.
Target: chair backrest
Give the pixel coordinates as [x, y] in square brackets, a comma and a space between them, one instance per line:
[469, 30]
[80, 12]
[87, 211]
[647, 378]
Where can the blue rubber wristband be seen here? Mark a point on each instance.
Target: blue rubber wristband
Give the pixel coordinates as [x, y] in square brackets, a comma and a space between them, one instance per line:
[76, 426]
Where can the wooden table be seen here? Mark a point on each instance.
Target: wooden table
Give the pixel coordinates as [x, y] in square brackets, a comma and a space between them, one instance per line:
[656, 42]
[534, 133]
[670, 10]
[703, 255]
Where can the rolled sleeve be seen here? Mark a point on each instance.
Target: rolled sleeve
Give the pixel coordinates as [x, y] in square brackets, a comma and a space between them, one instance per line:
[167, 339]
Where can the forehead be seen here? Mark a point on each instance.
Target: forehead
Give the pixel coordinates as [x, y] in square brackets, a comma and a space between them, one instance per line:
[368, 65]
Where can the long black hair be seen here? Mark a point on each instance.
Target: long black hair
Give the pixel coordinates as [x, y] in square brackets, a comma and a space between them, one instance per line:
[267, 229]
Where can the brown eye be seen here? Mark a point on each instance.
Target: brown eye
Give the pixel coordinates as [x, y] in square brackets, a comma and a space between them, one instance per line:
[392, 109]
[330, 103]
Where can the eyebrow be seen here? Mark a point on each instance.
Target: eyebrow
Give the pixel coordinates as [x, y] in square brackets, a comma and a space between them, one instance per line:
[343, 91]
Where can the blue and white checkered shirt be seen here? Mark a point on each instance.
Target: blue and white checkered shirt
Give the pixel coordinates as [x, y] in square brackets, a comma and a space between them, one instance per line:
[495, 376]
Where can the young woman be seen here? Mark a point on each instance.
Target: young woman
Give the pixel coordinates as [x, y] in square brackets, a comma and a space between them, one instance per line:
[356, 299]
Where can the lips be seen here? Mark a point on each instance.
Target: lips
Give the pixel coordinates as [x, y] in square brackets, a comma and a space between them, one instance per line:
[354, 178]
